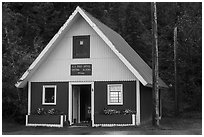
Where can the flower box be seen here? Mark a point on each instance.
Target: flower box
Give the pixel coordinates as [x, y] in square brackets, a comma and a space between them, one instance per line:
[45, 120]
[113, 119]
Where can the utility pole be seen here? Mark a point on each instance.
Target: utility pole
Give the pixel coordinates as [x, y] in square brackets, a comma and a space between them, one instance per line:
[155, 64]
[175, 73]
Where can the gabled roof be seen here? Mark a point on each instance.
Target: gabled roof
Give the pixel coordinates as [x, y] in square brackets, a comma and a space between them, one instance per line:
[119, 46]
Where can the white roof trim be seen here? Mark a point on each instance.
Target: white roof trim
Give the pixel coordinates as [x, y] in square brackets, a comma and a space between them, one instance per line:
[98, 31]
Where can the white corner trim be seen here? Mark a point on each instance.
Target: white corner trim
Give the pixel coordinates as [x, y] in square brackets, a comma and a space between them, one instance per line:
[109, 43]
[92, 103]
[133, 119]
[70, 104]
[138, 102]
[29, 97]
[61, 121]
[26, 120]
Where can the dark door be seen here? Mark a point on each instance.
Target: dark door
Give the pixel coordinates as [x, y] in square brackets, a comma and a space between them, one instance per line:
[85, 103]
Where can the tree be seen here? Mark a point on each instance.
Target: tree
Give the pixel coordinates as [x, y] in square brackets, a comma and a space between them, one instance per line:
[175, 73]
[155, 69]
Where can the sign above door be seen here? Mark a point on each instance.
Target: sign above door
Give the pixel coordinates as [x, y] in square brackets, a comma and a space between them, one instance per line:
[81, 69]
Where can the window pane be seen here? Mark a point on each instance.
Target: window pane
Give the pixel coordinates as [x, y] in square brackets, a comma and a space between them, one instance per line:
[115, 87]
[115, 97]
[49, 95]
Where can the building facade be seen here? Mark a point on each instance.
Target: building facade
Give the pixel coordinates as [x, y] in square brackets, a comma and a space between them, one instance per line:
[88, 74]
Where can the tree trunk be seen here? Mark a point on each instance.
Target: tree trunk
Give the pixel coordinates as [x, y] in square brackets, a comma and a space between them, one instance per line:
[175, 73]
[155, 72]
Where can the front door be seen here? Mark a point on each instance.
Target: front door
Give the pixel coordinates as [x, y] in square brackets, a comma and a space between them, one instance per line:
[81, 103]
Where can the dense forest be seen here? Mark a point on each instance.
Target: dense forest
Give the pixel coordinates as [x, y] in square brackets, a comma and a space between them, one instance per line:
[28, 27]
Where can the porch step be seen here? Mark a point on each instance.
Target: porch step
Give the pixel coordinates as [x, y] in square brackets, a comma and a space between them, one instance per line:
[82, 124]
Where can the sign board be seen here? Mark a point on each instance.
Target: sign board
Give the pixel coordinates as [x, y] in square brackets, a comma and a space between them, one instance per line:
[81, 69]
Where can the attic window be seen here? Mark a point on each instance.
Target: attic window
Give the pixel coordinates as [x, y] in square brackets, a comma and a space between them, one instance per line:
[81, 46]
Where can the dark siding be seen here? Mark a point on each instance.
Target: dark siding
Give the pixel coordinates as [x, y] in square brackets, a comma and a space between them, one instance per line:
[145, 103]
[62, 96]
[100, 101]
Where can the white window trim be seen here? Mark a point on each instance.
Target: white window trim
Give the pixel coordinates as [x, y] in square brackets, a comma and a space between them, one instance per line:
[108, 93]
[43, 94]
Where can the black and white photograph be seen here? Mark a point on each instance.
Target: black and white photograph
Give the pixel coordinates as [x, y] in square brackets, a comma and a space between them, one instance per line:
[101, 68]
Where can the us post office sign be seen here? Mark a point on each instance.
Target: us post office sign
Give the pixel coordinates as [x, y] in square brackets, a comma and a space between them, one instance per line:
[81, 69]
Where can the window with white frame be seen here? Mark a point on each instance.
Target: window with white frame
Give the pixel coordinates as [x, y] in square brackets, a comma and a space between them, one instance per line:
[115, 94]
[49, 95]
[81, 46]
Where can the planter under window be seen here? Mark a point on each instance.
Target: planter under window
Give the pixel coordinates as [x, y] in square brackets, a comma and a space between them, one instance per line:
[45, 120]
[113, 119]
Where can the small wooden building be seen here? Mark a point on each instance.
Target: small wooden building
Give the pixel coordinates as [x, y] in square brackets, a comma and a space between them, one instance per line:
[88, 73]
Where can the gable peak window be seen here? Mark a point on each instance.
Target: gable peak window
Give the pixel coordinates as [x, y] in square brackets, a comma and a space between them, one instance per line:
[81, 46]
